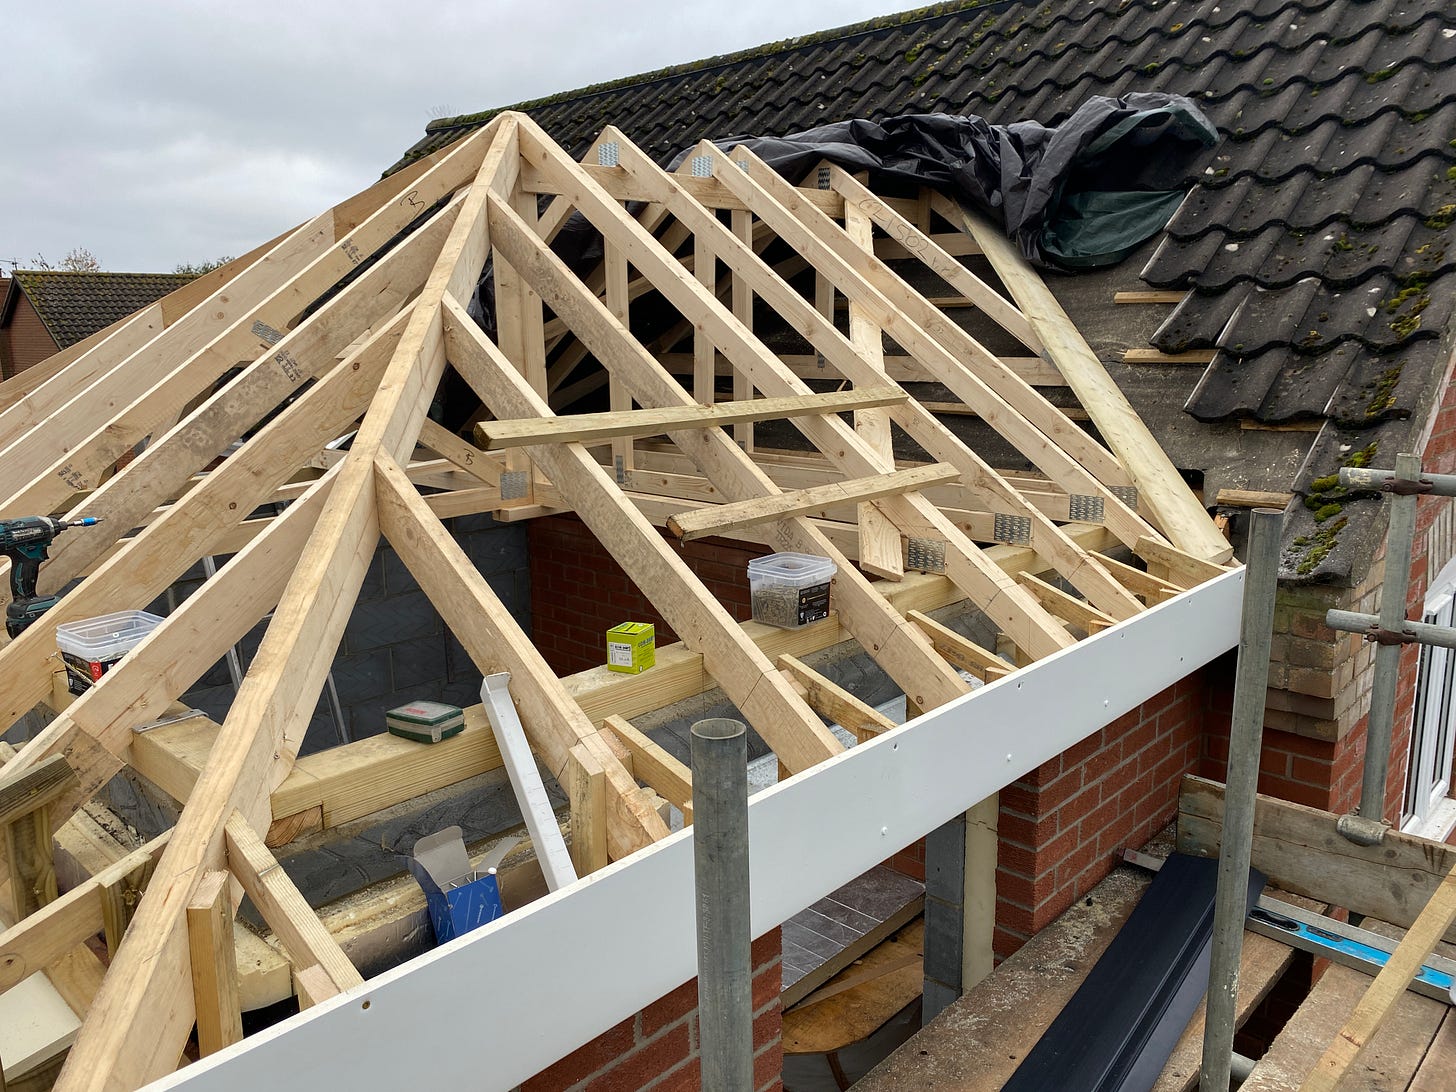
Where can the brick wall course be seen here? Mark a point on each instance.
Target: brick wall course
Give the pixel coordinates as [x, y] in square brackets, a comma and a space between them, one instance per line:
[659, 1048]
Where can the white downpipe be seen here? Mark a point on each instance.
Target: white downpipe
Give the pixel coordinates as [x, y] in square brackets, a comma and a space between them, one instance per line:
[535, 806]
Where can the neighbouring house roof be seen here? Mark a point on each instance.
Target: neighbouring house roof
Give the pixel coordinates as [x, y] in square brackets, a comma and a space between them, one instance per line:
[1316, 244]
[74, 306]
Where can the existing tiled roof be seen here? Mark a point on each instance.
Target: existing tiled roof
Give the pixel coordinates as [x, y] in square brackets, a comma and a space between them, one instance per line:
[1323, 221]
[74, 306]
[1318, 245]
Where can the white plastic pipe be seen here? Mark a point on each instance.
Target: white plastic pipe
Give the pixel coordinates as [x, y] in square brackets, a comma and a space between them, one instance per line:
[530, 790]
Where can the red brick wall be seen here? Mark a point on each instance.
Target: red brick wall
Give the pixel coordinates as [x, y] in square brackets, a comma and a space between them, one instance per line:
[1063, 826]
[578, 592]
[658, 1048]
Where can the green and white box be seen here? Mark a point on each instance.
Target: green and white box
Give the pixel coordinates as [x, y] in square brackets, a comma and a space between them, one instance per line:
[631, 647]
[425, 721]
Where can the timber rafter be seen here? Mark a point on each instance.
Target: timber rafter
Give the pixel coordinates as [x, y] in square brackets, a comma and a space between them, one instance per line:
[328, 348]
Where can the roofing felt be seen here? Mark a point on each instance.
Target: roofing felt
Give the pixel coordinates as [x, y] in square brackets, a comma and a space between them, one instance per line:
[74, 306]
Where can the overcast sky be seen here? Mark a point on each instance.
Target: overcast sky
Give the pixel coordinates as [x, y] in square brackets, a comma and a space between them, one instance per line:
[153, 133]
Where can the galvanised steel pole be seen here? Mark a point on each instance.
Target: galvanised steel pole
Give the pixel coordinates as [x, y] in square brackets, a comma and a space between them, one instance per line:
[720, 863]
[1387, 656]
[1246, 735]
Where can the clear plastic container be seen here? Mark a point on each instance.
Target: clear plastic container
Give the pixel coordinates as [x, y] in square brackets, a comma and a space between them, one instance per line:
[92, 646]
[790, 590]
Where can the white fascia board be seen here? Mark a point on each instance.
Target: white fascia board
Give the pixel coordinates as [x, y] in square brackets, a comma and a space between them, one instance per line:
[500, 1004]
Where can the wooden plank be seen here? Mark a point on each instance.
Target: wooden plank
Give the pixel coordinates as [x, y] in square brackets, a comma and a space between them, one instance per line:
[879, 539]
[38, 786]
[26, 827]
[1378, 1003]
[1155, 295]
[662, 771]
[46, 936]
[1439, 1063]
[962, 651]
[1065, 606]
[1252, 498]
[1262, 962]
[1153, 357]
[830, 700]
[214, 965]
[553, 722]
[901, 369]
[1183, 568]
[586, 780]
[861, 998]
[1177, 510]
[1299, 850]
[726, 518]
[1150, 588]
[592, 428]
[285, 910]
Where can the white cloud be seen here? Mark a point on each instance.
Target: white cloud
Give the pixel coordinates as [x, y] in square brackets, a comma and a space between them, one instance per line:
[170, 131]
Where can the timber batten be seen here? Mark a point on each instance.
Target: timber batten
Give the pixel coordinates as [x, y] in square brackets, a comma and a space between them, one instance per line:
[1025, 550]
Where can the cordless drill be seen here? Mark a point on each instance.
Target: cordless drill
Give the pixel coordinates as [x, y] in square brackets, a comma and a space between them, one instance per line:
[25, 542]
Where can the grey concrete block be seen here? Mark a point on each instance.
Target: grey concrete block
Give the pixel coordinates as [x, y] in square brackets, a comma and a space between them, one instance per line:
[945, 861]
[418, 661]
[362, 676]
[944, 937]
[215, 701]
[390, 621]
[398, 580]
[479, 523]
[462, 691]
[373, 586]
[935, 1000]
[499, 551]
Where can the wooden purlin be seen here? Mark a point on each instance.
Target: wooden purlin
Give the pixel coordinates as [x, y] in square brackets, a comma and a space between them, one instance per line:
[149, 984]
[1020, 616]
[897, 647]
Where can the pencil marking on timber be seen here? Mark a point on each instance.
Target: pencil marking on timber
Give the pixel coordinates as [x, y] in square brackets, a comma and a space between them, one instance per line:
[351, 251]
[411, 199]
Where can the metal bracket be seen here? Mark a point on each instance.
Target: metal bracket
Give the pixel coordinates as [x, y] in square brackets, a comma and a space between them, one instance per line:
[926, 555]
[1082, 508]
[1405, 487]
[1128, 494]
[1379, 635]
[266, 332]
[609, 153]
[1014, 530]
[823, 178]
[514, 484]
[621, 469]
[702, 166]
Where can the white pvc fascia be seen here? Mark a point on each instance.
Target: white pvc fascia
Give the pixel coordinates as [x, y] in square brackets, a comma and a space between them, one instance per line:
[500, 1004]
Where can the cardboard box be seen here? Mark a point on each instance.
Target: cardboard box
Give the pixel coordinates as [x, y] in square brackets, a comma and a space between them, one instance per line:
[458, 898]
[631, 647]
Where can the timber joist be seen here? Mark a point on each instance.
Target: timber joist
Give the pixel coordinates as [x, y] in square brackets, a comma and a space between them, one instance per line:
[346, 326]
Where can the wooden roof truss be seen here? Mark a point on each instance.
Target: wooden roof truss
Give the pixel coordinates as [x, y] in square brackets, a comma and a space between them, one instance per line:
[348, 323]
